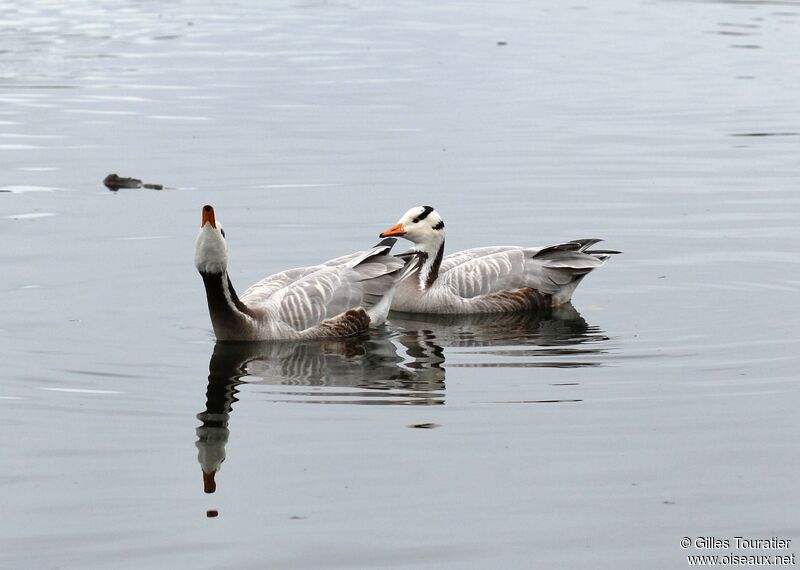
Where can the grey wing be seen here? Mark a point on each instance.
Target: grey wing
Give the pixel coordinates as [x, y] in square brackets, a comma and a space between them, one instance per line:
[455, 259]
[303, 298]
[317, 297]
[482, 271]
[331, 291]
[259, 293]
[383, 247]
[477, 272]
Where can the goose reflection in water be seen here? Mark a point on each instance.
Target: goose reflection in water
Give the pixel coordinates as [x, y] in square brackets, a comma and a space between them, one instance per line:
[358, 370]
[368, 370]
[559, 332]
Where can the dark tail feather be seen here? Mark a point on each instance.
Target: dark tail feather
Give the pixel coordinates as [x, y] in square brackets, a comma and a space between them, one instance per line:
[386, 244]
[566, 264]
[383, 247]
[578, 246]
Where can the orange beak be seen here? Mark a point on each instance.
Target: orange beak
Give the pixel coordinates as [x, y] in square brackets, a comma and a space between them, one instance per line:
[208, 217]
[395, 230]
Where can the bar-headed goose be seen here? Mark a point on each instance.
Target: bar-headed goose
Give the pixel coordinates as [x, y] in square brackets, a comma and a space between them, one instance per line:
[488, 279]
[341, 297]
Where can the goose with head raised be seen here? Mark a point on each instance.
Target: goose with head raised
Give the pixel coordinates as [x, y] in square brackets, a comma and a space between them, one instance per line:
[341, 297]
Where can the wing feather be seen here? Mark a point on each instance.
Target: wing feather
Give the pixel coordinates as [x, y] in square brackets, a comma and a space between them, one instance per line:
[304, 297]
[477, 272]
[474, 273]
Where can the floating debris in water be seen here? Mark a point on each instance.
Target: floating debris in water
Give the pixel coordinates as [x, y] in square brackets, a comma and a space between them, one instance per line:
[114, 182]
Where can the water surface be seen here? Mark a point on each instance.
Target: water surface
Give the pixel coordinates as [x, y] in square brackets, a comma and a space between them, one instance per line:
[663, 407]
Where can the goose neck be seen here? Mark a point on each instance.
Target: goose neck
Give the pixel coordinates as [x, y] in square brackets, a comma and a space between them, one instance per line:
[228, 312]
[431, 258]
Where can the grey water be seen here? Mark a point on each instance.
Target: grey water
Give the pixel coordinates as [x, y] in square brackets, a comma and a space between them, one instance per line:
[662, 405]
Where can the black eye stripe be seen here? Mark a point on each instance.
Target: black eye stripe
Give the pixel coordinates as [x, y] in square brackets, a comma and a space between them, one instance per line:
[439, 225]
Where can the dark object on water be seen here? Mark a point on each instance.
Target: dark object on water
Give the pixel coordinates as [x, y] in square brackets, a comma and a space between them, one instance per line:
[114, 182]
[424, 426]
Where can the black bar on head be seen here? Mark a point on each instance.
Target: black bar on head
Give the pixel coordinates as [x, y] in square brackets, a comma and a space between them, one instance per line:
[426, 210]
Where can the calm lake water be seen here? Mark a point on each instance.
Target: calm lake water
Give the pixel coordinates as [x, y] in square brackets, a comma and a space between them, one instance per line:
[665, 405]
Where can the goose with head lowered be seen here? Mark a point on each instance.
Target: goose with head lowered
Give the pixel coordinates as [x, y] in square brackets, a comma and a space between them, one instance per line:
[341, 297]
[488, 279]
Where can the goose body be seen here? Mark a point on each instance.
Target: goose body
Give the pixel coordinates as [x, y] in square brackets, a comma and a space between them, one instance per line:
[489, 279]
[339, 298]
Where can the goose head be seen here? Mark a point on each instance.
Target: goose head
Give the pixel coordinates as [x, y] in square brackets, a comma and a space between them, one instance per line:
[211, 249]
[422, 225]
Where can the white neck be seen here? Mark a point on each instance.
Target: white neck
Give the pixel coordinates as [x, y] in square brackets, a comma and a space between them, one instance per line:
[210, 251]
[432, 251]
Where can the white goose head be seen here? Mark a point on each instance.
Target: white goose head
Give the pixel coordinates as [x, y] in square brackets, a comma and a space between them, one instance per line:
[422, 225]
[210, 249]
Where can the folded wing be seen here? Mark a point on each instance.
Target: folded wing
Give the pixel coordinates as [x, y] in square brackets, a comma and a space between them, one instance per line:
[303, 298]
[552, 270]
